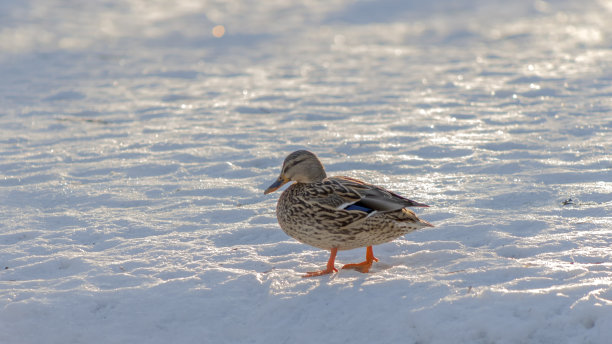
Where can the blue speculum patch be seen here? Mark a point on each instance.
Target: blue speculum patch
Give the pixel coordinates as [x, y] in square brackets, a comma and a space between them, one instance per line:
[358, 207]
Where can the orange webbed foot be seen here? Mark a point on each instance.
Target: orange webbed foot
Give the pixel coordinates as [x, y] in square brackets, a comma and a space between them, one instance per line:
[330, 266]
[320, 273]
[364, 266]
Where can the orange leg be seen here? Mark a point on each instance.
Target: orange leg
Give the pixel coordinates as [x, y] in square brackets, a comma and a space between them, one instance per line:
[365, 265]
[330, 266]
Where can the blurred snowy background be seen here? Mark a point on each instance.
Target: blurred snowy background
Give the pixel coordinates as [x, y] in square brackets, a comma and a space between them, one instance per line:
[136, 138]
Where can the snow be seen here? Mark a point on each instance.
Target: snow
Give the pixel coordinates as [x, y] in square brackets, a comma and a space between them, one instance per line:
[135, 147]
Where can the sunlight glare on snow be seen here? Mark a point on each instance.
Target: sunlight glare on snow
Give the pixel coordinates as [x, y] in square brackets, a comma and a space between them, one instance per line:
[134, 155]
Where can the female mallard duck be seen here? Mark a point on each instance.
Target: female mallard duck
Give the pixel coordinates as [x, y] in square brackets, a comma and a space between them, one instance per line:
[339, 213]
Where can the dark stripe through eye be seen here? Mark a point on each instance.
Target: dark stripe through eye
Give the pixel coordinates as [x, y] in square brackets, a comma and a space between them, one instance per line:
[291, 164]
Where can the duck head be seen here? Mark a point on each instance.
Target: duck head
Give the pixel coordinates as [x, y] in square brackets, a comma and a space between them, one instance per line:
[300, 166]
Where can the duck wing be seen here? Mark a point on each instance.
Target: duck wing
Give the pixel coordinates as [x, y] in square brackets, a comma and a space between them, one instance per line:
[371, 197]
[331, 193]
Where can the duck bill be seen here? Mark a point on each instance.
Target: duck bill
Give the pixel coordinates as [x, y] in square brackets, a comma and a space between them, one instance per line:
[277, 184]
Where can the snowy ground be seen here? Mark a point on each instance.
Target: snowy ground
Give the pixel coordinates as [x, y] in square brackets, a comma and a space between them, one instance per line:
[135, 147]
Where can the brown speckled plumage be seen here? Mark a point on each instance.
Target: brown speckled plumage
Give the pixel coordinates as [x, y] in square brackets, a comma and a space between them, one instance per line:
[312, 210]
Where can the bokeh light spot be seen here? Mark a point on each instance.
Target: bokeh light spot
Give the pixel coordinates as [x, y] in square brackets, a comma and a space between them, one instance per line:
[218, 31]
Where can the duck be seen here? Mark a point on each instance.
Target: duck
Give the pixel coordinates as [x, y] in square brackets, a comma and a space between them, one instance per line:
[339, 213]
